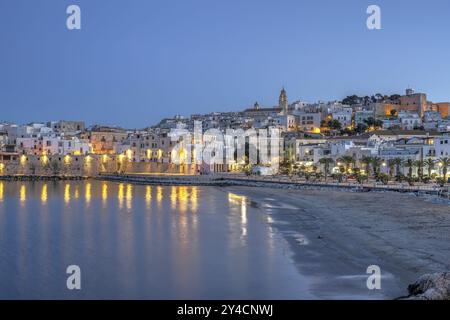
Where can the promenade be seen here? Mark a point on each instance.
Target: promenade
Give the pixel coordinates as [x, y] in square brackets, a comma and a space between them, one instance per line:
[278, 181]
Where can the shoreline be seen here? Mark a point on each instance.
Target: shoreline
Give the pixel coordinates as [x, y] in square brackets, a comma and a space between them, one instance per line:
[278, 183]
[335, 236]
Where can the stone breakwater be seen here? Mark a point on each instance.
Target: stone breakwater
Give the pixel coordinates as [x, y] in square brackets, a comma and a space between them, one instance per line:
[430, 287]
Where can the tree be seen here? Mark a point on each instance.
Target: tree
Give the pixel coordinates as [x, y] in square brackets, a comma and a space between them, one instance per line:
[391, 163]
[361, 178]
[410, 164]
[287, 166]
[335, 124]
[367, 161]
[384, 178]
[444, 163]
[419, 164]
[338, 176]
[372, 122]
[376, 163]
[361, 128]
[326, 162]
[429, 164]
[351, 100]
[398, 164]
[348, 162]
[366, 100]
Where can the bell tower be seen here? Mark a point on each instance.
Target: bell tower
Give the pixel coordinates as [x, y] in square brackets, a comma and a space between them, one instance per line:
[283, 102]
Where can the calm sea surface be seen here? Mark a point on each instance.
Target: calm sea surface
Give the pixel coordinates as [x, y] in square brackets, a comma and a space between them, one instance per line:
[145, 242]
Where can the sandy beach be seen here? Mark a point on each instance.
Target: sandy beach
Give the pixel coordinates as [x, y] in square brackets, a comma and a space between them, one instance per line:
[334, 236]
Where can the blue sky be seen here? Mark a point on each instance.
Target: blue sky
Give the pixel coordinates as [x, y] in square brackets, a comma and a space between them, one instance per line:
[137, 61]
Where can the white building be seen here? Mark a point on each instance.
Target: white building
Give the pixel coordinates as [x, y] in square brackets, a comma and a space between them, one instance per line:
[308, 122]
[442, 146]
[286, 122]
[409, 120]
[29, 145]
[74, 146]
[344, 117]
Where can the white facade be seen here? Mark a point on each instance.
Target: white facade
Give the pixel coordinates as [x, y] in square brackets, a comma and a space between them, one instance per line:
[74, 146]
[442, 146]
[29, 145]
[50, 145]
[409, 120]
[286, 122]
[344, 117]
[309, 122]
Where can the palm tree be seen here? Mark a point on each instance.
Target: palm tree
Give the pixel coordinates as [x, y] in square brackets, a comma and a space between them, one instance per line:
[398, 163]
[348, 161]
[419, 164]
[410, 164]
[326, 162]
[286, 166]
[367, 161]
[376, 164]
[391, 163]
[429, 164]
[444, 163]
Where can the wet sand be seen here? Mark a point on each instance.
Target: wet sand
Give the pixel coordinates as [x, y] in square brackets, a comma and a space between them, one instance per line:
[334, 236]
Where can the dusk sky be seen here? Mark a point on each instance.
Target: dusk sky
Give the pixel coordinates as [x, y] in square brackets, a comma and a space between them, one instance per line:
[137, 61]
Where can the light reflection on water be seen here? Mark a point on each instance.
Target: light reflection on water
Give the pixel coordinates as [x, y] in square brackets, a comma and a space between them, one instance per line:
[240, 202]
[1, 191]
[87, 194]
[135, 241]
[23, 194]
[104, 192]
[67, 193]
[44, 194]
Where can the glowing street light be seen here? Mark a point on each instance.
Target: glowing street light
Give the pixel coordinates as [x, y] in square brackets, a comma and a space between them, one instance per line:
[44, 159]
[129, 154]
[23, 159]
[67, 159]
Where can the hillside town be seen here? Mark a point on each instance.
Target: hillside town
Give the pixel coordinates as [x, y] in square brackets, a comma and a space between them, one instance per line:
[386, 138]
